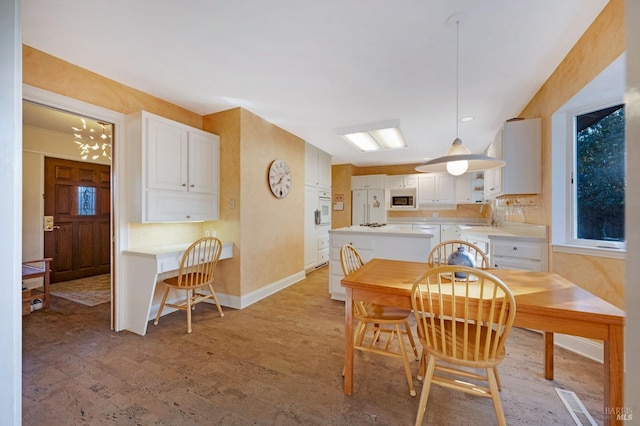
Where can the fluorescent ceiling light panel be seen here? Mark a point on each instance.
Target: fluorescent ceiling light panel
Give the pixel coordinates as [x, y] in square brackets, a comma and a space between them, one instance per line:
[363, 141]
[390, 138]
[375, 137]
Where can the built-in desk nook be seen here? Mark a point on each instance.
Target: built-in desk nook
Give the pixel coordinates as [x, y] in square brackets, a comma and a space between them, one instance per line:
[142, 267]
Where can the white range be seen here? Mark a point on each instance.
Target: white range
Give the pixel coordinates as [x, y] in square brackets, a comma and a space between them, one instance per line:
[386, 242]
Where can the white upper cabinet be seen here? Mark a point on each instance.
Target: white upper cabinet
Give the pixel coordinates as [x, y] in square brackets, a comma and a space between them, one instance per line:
[368, 182]
[203, 154]
[317, 171]
[173, 169]
[436, 188]
[167, 156]
[402, 181]
[519, 145]
[470, 188]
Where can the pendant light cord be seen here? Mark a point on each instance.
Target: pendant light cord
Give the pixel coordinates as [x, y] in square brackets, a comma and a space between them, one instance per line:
[457, 75]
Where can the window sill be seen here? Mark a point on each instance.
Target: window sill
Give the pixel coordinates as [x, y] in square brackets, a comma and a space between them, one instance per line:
[590, 251]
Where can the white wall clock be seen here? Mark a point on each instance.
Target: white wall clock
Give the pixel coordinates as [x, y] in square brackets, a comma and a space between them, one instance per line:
[279, 178]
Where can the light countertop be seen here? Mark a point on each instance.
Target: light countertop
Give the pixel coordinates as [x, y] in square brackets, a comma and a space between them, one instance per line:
[174, 249]
[507, 231]
[388, 230]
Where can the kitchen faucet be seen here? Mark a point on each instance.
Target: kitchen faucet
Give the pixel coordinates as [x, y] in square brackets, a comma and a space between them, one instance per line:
[492, 219]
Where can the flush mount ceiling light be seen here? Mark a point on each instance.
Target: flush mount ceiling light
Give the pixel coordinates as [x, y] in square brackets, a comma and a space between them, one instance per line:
[458, 159]
[375, 136]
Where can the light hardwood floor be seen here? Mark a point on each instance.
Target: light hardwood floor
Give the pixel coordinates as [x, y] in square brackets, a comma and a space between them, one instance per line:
[277, 362]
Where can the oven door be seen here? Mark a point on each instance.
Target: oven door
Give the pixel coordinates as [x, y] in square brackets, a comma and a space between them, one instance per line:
[324, 206]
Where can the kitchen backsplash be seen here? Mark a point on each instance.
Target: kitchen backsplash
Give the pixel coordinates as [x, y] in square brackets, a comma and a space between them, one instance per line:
[461, 210]
[160, 234]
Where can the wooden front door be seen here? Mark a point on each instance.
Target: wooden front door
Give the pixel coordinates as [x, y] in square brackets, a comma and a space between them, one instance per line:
[78, 196]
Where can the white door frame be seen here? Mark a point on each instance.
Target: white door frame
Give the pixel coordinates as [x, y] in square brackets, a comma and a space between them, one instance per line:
[119, 229]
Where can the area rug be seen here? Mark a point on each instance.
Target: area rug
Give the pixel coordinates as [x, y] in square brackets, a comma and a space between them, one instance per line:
[90, 291]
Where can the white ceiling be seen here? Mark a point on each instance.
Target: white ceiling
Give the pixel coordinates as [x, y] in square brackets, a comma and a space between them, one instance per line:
[313, 67]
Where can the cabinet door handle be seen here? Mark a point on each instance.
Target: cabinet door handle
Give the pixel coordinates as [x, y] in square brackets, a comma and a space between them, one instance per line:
[192, 185]
[184, 184]
[515, 248]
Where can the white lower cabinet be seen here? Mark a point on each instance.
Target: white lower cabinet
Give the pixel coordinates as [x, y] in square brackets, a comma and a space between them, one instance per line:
[323, 249]
[481, 243]
[384, 245]
[526, 255]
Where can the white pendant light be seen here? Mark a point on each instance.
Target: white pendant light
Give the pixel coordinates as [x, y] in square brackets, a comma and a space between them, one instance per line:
[458, 159]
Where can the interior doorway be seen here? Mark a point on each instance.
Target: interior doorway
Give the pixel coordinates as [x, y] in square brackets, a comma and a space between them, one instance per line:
[67, 176]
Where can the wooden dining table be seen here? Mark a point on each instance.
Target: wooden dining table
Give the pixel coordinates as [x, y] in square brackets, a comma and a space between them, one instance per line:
[545, 301]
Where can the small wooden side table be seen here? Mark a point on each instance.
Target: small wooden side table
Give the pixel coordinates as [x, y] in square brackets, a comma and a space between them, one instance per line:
[36, 269]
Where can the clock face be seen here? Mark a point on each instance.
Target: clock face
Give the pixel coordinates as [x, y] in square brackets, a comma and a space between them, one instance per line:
[279, 178]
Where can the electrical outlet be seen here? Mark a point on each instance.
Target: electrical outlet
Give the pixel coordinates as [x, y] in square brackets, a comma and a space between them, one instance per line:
[207, 233]
[215, 234]
[434, 214]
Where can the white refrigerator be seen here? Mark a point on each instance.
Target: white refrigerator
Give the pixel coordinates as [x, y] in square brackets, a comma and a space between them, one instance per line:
[368, 206]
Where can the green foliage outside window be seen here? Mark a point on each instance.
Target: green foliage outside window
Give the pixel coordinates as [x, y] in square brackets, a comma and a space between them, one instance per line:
[601, 175]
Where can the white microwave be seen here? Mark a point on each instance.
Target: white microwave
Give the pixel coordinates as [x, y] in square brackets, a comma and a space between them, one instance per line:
[403, 201]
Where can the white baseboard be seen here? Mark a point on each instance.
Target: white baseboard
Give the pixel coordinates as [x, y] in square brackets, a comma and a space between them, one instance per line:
[259, 294]
[586, 347]
[237, 302]
[591, 349]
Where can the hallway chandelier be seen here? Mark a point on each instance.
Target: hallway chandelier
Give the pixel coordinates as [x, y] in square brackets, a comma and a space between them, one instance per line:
[90, 147]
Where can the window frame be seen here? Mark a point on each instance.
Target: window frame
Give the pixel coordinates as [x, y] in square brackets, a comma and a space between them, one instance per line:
[606, 89]
[572, 196]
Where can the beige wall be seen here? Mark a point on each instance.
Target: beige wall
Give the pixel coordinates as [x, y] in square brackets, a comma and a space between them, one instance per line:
[268, 232]
[272, 229]
[341, 184]
[600, 45]
[227, 125]
[55, 75]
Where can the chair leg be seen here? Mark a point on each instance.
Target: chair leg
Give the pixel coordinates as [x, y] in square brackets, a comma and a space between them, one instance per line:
[164, 299]
[413, 343]
[495, 370]
[405, 361]
[422, 365]
[215, 298]
[188, 312]
[426, 386]
[495, 396]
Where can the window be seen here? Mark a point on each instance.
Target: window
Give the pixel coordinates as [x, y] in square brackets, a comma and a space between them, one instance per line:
[86, 201]
[588, 173]
[599, 177]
